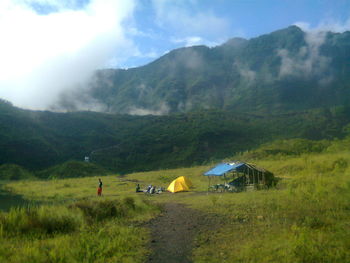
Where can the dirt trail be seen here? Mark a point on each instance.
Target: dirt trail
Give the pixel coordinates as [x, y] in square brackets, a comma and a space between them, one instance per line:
[172, 234]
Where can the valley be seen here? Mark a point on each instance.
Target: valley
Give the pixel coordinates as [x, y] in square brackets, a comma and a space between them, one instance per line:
[299, 219]
[278, 100]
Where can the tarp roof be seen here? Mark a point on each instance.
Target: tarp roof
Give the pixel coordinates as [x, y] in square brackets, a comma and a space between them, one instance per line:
[223, 168]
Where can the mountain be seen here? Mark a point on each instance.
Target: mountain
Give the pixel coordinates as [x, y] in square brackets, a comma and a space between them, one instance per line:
[285, 70]
[218, 101]
[37, 140]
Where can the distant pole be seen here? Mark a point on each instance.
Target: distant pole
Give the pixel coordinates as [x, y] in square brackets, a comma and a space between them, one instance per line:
[208, 184]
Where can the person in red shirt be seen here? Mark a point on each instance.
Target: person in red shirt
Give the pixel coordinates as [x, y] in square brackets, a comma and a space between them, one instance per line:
[99, 189]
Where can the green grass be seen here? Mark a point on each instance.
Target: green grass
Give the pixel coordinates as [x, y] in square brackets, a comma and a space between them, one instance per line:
[85, 231]
[303, 219]
[113, 185]
[72, 169]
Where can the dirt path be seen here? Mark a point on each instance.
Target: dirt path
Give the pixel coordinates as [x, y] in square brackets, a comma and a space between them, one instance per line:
[173, 233]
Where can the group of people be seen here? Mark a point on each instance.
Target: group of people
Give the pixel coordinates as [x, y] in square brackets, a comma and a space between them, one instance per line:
[151, 189]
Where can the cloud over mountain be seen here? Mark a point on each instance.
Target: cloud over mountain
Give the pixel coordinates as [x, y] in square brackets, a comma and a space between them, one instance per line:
[48, 47]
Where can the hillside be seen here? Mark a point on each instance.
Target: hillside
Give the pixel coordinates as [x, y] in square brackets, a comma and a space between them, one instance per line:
[285, 70]
[37, 140]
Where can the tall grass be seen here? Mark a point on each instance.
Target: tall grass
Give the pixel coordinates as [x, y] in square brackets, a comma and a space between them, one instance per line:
[306, 220]
[84, 231]
[43, 220]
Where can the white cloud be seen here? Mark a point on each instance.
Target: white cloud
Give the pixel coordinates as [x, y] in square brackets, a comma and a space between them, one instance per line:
[308, 61]
[162, 110]
[328, 25]
[43, 55]
[186, 21]
[193, 41]
[246, 73]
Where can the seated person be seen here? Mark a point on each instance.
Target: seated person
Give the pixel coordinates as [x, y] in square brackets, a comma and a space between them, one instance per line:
[138, 188]
[149, 189]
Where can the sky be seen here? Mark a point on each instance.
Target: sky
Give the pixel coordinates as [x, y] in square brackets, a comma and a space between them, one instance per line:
[50, 46]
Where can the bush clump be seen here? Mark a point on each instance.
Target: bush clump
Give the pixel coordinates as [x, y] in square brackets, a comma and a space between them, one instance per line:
[48, 220]
[43, 220]
[14, 172]
[107, 209]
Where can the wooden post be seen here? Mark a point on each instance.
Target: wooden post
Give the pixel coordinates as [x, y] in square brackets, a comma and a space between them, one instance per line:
[264, 179]
[246, 175]
[253, 172]
[208, 184]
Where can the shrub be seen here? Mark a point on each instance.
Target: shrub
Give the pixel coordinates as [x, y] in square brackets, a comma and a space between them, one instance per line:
[101, 210]
[43, 220]
[129, 202]
[14, 172]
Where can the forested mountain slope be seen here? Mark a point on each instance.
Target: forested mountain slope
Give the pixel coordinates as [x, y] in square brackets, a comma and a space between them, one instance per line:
[124, 143]
[285, 70]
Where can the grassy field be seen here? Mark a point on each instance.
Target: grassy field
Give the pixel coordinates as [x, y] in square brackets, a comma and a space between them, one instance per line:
[304, 219]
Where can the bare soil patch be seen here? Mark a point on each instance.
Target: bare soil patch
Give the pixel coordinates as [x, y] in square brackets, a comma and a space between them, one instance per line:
[173, 232]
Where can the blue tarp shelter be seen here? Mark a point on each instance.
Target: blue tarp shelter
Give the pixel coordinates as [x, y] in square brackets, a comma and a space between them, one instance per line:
[223, 168]
[249, 174]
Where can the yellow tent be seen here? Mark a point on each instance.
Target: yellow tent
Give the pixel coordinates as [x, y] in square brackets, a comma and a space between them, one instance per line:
[179, 184]
[185, 180]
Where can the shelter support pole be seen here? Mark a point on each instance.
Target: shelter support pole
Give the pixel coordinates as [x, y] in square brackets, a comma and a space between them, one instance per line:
[248, 179]
[253, 172]
[250, 176]
[264, 179]
[208, 184]
[225, 182]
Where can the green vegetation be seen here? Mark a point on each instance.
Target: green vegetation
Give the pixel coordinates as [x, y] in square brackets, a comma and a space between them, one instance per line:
[72, 169]
[123, 144]
[242, 75]
[303, 219]
[231, 98]
[85, 231]
[14, 172]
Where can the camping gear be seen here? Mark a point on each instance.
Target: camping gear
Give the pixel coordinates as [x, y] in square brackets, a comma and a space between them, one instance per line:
[179, 184]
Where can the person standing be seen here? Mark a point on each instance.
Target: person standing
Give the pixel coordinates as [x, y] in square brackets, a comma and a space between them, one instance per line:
[99, 189]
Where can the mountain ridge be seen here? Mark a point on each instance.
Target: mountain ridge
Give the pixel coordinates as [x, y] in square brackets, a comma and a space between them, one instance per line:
[288, 69]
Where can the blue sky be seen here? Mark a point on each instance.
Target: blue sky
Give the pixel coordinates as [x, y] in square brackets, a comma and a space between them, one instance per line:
[157, 26]
[230, 18]
[52, 46]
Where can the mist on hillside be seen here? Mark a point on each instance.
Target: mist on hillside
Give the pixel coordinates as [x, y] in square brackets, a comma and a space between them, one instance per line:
[50, 51]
